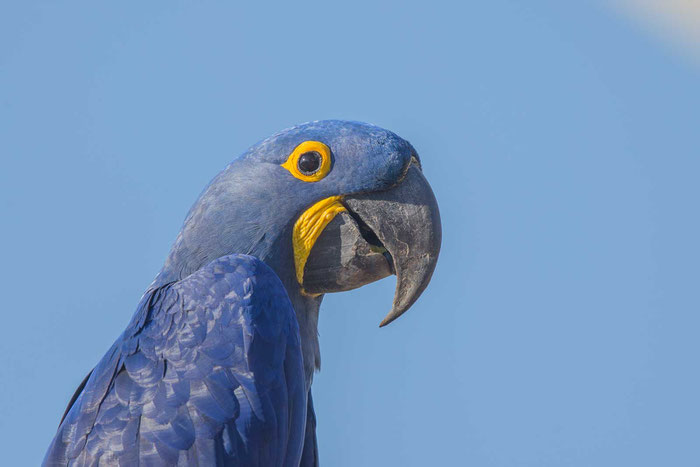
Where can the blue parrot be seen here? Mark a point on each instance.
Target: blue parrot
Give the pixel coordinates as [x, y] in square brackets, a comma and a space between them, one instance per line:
[216, 364]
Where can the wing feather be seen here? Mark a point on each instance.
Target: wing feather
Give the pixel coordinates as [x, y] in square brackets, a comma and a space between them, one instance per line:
[208, 372]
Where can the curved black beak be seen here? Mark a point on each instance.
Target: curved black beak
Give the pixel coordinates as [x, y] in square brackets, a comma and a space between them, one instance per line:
[397, 231]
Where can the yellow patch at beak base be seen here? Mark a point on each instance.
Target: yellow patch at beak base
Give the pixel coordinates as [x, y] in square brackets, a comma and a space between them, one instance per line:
[308, 228]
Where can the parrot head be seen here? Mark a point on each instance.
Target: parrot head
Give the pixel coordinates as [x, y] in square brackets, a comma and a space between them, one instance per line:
[329, 206]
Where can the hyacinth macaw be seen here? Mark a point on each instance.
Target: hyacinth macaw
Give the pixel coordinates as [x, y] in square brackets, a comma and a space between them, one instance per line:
[215, 367]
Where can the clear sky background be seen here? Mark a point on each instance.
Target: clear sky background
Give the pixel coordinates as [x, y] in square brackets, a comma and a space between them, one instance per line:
[562, 142]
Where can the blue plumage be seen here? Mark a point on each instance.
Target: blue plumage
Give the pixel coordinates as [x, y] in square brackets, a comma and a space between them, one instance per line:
[216, 365]
[208, 371]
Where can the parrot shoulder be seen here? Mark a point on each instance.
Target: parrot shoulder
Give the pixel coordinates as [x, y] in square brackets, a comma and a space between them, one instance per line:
[208, 371]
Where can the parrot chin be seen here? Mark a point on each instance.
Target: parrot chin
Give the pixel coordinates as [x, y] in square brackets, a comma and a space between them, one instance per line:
[396, 231]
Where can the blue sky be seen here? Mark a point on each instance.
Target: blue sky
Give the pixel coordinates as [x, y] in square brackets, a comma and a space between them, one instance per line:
[561, 140]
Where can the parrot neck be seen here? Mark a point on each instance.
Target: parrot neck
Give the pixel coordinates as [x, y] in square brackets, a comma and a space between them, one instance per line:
[307, 311]
[182, 262]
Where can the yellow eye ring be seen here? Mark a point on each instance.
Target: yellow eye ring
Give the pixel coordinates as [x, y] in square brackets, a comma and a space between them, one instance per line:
[316, 156]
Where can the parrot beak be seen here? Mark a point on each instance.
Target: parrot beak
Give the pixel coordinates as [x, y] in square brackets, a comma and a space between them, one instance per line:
[396, 231]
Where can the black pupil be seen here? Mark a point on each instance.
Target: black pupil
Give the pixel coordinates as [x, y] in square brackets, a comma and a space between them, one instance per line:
[309, 162]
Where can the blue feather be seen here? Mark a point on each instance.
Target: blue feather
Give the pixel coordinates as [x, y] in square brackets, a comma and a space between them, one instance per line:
[225, 399]
[214, 367]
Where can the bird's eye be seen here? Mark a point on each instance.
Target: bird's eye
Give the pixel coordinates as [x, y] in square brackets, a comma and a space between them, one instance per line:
[310, 161]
